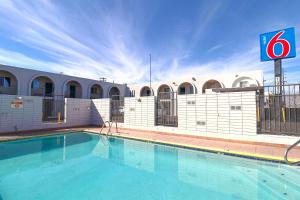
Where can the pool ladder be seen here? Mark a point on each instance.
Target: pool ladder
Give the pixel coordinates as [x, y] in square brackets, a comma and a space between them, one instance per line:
[110, 124]
[287, 152]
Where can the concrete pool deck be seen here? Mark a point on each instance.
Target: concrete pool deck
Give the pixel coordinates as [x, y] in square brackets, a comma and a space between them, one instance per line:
[255, 149]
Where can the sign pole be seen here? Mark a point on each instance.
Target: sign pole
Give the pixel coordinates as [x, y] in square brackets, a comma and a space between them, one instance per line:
[278, 76]
[150, 75]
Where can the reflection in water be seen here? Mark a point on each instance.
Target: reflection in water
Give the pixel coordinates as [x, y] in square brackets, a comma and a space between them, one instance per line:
[139, 155]
[23, 147]
[166, 160]
[237, 177]
[29, 154]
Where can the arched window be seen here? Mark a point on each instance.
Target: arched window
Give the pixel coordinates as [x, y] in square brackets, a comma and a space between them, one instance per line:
[114, 93]
[146, 91]
[8, 83]
[186, 88]
[164, 92]
[243, 82]
[96, 92]
[211, 84]
[42, 86]
[73, 90]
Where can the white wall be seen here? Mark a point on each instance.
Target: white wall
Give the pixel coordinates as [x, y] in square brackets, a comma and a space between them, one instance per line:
[100, 111]
[200, 114]
[78, 112]
[212, 114]
[30, 116]
[139, 112]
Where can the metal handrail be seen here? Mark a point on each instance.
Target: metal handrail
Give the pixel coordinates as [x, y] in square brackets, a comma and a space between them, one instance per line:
[111, 124]
[104, 126]
[287, 152]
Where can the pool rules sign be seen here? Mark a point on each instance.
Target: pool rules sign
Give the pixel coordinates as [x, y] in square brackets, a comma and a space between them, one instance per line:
[278, 45]
[16, 104]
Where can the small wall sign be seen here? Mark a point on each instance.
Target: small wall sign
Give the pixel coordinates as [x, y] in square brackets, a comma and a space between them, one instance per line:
[16, 104]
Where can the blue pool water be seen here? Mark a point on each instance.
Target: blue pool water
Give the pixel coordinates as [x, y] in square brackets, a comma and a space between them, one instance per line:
[85, 166]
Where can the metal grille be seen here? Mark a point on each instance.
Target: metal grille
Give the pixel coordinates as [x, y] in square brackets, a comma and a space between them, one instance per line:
[278, 110]
[53, 108]
[117, 108]
[166, 109]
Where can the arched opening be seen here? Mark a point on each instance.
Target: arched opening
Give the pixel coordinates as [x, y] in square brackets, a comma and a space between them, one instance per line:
[96, 92]
[73, 90]
[211, 84]
[243, 82]
[166, 109]
[42, 86]
[186, 88]
[8, 83]
[164, 92]
[116, 105]
[146, 91]
[114, 93]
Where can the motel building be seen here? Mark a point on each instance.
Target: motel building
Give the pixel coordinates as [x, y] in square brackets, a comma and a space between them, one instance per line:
[202, 105]
[52, 89]
[223, 105]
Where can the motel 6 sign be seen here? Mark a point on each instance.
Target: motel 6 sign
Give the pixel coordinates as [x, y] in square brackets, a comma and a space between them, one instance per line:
[278, 45]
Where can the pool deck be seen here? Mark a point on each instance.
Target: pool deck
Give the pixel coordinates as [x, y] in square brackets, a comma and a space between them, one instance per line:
[254, 149]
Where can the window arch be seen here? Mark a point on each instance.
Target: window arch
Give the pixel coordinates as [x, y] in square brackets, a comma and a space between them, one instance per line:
[8, 83]
[186, 88]
[146, 91]
[96, 91]
[73, 90]
[164, 91]
[114, 93]
[243, 82]
[210, 84]
[42, 86]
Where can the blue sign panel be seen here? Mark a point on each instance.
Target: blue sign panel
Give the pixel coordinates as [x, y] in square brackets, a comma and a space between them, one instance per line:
[278, 45]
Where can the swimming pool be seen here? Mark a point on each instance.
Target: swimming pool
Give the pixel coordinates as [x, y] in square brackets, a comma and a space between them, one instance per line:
[86, 166]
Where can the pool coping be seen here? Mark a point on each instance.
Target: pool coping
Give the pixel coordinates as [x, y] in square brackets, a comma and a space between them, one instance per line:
[272, 159]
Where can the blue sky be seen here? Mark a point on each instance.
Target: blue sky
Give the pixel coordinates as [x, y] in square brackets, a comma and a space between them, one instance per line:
[113, 39]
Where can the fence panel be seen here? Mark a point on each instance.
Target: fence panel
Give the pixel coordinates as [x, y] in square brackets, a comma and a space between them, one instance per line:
[166, 109]
[53, 108]
[117, 108]
[278, 110]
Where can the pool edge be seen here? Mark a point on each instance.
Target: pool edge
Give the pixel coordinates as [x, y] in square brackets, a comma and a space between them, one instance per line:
[204, 149]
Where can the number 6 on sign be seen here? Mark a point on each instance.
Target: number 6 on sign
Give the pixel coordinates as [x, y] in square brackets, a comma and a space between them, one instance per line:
[278, 45]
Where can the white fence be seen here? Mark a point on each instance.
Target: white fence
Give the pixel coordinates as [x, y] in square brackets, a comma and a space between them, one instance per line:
[199, 114]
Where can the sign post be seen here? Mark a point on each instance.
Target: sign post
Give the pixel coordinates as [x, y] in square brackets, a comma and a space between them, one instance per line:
[276, 46]
[278, 76]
